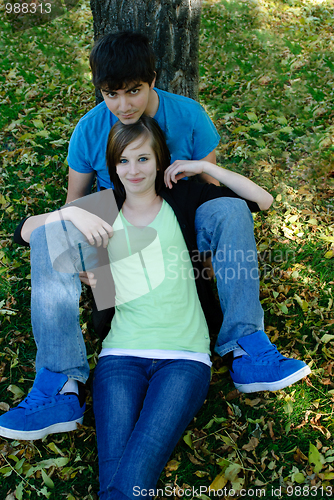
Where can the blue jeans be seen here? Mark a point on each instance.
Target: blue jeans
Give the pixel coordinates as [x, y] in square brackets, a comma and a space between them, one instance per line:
[142, 407]
[224, 227]
[55, 307]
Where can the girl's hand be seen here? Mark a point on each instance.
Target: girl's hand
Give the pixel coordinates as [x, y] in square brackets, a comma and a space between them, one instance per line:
[95, 229]
[182, 168]
[88, 279]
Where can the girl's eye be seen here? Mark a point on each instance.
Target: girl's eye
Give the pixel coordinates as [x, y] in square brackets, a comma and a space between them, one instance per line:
[123, 160]
[143, 158]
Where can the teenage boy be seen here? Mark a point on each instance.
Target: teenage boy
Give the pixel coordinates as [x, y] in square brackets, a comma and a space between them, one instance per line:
[123, 67]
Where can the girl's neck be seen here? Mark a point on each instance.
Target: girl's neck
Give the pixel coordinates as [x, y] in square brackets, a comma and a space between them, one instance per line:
[141, 210]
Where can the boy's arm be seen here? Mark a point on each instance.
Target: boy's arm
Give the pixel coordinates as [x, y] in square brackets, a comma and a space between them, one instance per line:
[211, 158]
[79, 184]
[238, 183]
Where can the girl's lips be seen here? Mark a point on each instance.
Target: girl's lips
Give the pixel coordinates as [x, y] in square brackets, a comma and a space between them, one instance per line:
[135, 181]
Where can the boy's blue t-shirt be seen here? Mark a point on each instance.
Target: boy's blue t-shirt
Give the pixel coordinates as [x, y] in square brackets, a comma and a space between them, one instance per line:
[189, 132]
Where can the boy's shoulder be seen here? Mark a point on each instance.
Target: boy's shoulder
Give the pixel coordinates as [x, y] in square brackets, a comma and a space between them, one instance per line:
[96, 115]
[177, 101]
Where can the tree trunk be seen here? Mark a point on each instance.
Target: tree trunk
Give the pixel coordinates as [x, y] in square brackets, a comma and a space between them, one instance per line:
[172, 27]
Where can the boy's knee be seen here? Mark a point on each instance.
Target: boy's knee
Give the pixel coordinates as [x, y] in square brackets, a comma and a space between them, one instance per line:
[37, 236]
[221, 210]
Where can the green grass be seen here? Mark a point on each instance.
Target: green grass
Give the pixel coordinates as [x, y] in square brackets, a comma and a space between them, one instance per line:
[266, 79]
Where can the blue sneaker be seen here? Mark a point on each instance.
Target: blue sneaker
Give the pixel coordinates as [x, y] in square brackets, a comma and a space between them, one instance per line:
[264, 368]
[44, 411]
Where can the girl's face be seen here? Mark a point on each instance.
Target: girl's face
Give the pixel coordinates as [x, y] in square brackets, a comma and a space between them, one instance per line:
[137, 168]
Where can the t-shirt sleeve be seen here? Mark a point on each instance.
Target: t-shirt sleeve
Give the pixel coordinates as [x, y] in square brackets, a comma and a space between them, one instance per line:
[17, 238]
[205, 135]
[77, 156]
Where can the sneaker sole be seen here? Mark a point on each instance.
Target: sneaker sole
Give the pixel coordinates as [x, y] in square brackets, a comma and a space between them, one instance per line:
[40, 433]
[274, 386]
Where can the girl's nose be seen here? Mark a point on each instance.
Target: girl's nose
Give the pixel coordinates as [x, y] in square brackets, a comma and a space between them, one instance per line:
[133, 167]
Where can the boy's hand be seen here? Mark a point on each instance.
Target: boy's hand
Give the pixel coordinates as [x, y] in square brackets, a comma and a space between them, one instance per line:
[182, 168]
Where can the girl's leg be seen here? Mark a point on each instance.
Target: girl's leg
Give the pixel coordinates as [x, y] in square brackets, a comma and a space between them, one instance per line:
[176, 391]
[119, 388]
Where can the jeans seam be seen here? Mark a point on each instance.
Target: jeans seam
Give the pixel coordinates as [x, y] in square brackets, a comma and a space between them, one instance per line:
[79, 331]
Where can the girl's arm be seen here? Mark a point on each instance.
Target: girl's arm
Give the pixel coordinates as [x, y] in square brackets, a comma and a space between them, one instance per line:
[96, 230]
[238, 183]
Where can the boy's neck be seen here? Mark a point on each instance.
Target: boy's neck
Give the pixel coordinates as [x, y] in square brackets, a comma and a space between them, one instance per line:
[153, 104]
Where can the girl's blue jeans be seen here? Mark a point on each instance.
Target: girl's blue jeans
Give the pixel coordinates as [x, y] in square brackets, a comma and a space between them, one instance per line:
[142, 407]
[224, 227]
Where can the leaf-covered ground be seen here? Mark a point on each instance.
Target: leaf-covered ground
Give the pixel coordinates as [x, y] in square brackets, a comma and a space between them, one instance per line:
[267, 73]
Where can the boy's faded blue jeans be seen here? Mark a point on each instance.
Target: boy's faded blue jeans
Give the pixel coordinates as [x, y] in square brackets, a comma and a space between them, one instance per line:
[224, 226]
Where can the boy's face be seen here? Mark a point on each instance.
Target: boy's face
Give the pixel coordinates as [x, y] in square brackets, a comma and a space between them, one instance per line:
[129, 103]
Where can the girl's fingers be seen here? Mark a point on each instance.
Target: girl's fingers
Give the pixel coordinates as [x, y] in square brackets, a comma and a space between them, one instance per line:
[105, 239]
[88, 279]
[90, 239]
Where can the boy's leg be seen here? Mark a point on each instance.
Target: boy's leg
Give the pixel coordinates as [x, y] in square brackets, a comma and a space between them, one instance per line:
[224, 226]
[175, 391]
[61, 353]
[55, 311]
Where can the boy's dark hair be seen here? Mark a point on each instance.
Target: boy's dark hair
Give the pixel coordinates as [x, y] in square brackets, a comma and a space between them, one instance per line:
[120, 136]
[119, 59]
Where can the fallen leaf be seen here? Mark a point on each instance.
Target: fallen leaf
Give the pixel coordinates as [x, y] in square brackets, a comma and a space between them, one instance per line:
[188, 440]
[315, 458]
[327, 338]
[4, 406]
[219, 482]
[193, 459]
[271, 432]
[47, 480]
[299, 456]
[232, 395]
[251, 445]
[264, 80]
[252, 402]
[172, 465]
[18, 393]
[201, 473]
[298, 477]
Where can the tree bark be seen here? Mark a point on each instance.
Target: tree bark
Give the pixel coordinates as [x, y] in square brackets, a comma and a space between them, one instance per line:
[172, 27]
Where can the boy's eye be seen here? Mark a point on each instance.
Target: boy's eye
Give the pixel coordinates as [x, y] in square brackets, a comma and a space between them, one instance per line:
[108, 93]
[134, 91]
